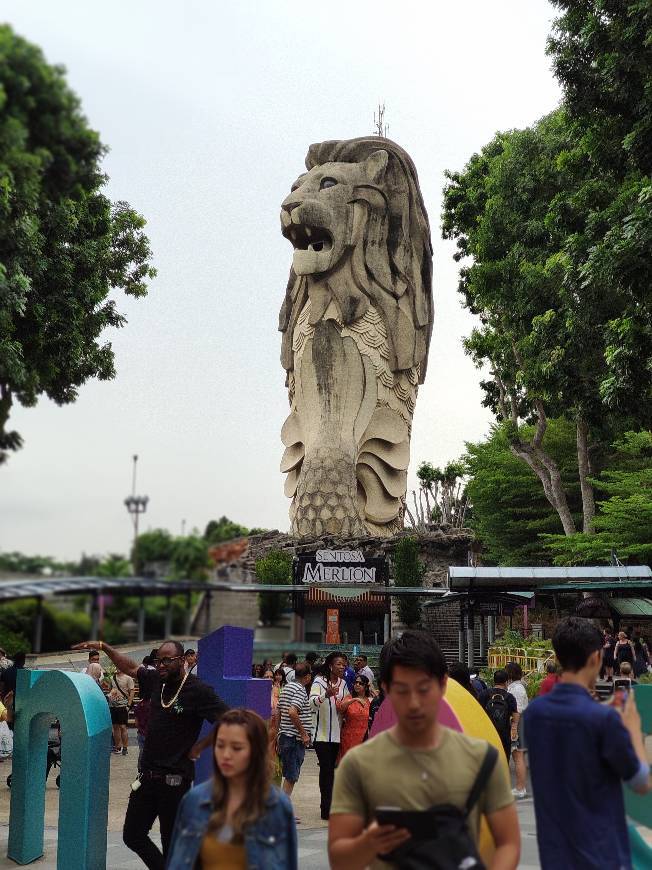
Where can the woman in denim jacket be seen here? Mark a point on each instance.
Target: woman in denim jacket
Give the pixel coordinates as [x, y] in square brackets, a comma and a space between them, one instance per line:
[236, 820]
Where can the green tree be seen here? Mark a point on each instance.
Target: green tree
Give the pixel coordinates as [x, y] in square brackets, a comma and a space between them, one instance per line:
[190, 560]
[64, 247]
[602, 58]
[408, 571]
[275, 567]
[224, 529]
[624, 519]
[114, 565]
[520, 210]
[20, 563]
[154, 546]
[510, 510]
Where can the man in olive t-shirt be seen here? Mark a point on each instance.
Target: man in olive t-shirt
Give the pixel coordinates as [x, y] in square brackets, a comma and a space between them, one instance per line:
[414, 766]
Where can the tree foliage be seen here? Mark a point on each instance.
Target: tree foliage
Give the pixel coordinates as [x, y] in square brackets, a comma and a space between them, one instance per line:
[602, 56]
[518, 210]
[190, 559]
[624, 519]
[510, 510]
[224, 529]
[20, 563]
[184, 557]
[275, 567]
[557, 221]
[156, 545]
[64, 247]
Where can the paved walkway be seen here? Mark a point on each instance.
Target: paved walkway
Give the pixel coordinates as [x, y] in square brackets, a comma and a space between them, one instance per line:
[312, 831]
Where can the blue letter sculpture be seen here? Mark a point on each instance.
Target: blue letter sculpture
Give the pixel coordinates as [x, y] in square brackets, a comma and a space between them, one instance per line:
[225, 658]
[79, 705]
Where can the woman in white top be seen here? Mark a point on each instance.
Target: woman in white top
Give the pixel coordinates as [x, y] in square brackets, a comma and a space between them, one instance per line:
[326, 695]
[517, 689]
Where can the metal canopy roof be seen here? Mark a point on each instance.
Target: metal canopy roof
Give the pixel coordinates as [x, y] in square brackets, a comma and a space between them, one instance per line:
[600, 586]
[480, 596]
[508, 579]
[43, 588]
[636, 607]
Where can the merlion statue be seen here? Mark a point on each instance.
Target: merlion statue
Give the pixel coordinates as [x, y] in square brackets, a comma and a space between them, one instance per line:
[356, 323]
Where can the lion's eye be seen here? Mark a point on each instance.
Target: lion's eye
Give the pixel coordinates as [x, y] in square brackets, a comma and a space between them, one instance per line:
[327, 182]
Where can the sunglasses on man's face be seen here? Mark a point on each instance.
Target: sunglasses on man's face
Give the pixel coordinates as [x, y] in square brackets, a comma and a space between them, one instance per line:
[166, 661]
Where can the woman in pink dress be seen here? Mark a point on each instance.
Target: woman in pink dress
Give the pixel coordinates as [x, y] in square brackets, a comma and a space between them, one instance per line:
[355, 711]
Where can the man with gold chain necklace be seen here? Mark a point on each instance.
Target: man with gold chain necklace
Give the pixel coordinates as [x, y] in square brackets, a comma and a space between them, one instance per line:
[180, 703]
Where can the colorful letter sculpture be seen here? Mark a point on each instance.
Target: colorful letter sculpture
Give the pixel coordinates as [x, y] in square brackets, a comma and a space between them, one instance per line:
[639, 807]
[460, 711]
[225, 658]
[79, 705]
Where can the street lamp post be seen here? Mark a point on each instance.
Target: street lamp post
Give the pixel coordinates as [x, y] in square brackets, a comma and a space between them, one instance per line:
[136, 505]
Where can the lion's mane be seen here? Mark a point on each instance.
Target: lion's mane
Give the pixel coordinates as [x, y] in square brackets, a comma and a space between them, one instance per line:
[389, 267]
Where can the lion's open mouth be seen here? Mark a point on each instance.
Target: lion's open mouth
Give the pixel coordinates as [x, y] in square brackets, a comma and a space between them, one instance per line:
[305, 238]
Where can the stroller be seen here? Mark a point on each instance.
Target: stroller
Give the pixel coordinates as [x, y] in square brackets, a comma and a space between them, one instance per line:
[54, 753]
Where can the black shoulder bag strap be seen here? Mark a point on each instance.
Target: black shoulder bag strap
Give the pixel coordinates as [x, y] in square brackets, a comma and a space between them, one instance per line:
[486, 769]
[119, 688]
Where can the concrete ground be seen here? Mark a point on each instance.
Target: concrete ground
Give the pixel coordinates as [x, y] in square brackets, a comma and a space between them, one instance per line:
[312, 831]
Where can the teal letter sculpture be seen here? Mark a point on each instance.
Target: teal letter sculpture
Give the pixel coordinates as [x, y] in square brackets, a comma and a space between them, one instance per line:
[79, 705]
[639, 807]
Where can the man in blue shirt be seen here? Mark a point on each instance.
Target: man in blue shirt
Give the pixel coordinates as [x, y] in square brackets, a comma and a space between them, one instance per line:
[580, 753]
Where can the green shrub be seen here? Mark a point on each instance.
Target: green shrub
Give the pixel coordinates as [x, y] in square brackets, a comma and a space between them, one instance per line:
[69, 628]
[14, 642]
[533, 683]
[408, 571]
[275, 567]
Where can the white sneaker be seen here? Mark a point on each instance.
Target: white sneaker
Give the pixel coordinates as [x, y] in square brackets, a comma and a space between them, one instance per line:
[519, 793]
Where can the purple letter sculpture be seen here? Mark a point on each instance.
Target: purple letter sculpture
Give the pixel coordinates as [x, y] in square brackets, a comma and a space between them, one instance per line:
[225, 658]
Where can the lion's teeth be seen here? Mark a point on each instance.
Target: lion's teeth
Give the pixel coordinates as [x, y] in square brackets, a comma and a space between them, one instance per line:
[308, 232]
[293, 235]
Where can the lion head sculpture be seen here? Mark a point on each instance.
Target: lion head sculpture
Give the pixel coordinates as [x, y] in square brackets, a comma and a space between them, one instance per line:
[360, 233]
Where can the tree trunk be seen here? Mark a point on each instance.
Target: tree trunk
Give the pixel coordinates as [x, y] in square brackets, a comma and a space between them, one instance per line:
[427, 492]
[543, 465]
[588, 500]
[547, 471]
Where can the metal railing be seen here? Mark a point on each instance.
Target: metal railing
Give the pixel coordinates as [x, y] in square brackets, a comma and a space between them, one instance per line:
[529, 660]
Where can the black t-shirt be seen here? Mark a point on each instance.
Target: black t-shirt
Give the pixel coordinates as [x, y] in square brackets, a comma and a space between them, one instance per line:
[173, 731]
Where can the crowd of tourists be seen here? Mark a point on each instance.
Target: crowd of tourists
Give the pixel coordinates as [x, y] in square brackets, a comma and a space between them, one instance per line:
[625, 654]
[411, 796]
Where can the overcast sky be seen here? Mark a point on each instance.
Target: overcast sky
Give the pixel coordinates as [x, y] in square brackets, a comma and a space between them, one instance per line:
[208, 109]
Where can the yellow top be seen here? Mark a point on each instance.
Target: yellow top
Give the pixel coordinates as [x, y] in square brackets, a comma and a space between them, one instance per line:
[215, 855]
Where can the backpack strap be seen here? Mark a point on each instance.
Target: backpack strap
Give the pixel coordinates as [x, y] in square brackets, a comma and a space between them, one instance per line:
[486, 769]
[119, 688]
